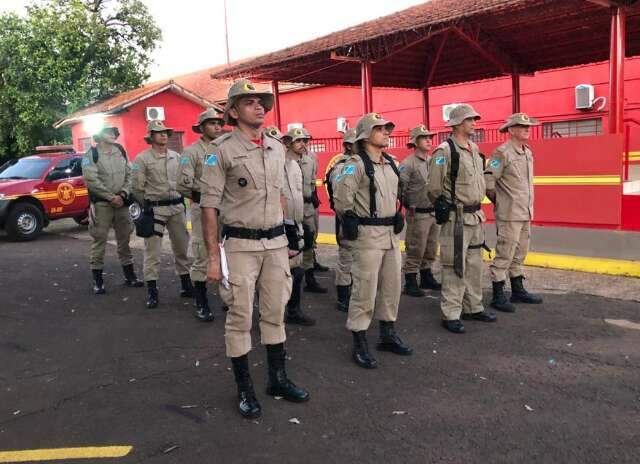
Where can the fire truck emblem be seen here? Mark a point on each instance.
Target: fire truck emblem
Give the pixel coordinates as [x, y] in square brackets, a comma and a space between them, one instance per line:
[66, 193]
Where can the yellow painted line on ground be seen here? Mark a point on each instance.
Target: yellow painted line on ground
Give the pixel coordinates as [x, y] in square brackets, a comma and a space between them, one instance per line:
[617, 267]
[91, 452]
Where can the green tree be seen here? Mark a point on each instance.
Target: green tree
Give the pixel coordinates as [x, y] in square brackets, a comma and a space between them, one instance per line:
[64, 55]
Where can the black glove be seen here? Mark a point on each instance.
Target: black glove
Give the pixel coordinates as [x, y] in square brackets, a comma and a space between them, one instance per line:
[291, 230]
[350, 225]
[315, 201]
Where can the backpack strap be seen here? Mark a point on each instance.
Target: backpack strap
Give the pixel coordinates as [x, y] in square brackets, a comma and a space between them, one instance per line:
[370, 172]
[455, 166]
[95, 155]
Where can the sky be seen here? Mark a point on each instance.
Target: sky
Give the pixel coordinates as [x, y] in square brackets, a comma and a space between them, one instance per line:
[193, 30]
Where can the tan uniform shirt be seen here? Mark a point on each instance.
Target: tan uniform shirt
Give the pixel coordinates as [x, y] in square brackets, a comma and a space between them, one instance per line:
[510, 173]
[352, 194]
[293, 191]
[309, 167]
[109, 176]
[245, 182]
[191, 167]
[414, 174]
[337, 170]
[470, 186]
[154, 178]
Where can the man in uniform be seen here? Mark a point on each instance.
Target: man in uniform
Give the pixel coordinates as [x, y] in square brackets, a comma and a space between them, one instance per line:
[297, 150]
[107, 174]
[422, 231]
[509, 179]
[244, 180]
[209, 125]
[367, 201]
[155, 173]
[345, 254]
[456, 187]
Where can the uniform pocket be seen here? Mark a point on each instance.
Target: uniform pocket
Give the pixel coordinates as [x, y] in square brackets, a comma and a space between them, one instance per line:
[232, 294]
[361, 284]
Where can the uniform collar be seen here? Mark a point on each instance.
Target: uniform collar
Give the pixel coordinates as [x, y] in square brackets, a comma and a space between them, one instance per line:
[293, 157]
[417, 155]
[520, 151]
[468, 149]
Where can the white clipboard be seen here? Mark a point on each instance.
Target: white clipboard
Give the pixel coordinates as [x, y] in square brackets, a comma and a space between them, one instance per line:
[224, 266]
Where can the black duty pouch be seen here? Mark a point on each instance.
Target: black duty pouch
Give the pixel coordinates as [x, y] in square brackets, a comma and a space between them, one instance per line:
[441, 209]
[145, 223]
[308, 236]
[398, 223]
[315, 201]
[291, 230]
[350, 225]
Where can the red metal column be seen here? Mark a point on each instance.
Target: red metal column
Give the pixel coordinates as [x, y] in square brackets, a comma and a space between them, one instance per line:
[621, 46]
[425, 107]
[367, 88]
[616, 71]
[515, 91]
[276, 104]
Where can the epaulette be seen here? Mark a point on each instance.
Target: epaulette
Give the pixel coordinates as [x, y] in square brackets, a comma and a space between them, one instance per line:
[218, 141]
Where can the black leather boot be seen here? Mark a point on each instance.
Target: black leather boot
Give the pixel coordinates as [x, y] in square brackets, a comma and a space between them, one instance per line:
[344, 295]
[428, 281]
[186, 287]
[152, 294]
[520, 295]
[482, 316]
[319, 267]
[411, 285]
[294, 314]
[361, 354]
[499, 300]
[130, 277]
[98, 283]
[455, 326]
[312, 284]
[279, 384]
[203, 312]
[247, 403]
[389, 340]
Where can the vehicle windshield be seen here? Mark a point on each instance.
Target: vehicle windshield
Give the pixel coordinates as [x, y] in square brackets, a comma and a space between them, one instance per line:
[24, 168]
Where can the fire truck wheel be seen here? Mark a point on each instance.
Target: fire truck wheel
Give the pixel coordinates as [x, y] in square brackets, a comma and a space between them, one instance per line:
[24, 222]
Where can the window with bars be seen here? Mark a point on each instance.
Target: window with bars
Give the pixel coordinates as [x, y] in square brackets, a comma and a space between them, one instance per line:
[575, 128]
[317, 147]
[175, 142]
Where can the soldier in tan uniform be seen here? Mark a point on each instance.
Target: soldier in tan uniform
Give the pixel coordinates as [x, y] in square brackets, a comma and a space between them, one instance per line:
[371, 219]
[209, 125]
[422, 234]
[297, 150]
[509, 179]
[345, 255]
[155, 173]
[107, 174]
[295, 141]
[244, 179]
[461, 235]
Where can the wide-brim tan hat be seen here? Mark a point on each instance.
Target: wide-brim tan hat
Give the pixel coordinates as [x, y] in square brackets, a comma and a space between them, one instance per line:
[298, 133]
[209, 114]
[156, 126]
[518, 119]
[368, 122]
[420, 131]
[350, 136]
[460, 113]
[244, 88]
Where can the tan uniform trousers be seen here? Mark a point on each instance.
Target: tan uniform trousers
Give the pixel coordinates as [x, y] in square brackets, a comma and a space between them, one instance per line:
[103, 217]
[268, 272]
[313, 222]
[511, 249]
[345, 262]
[376, 287]
[199, 255]
[421, 241]
[461, 294]
[176, 225]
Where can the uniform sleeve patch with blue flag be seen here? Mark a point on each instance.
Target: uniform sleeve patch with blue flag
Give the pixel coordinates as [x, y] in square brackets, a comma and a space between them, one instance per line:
[184, 160]
[401, 168]
[348, 170]
[212, 160]
[440, 160]
[86, 161]
[495, 163]
[135, 166]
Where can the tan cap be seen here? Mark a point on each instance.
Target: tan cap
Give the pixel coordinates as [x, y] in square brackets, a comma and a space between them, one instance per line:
[298, 133]
[156, 126]
[244, 88]
[518, 119]
[460, 113]
[368, 122]
[419, 131]
[273, 131]
[350, 136]
[207, 115]
[98, 135]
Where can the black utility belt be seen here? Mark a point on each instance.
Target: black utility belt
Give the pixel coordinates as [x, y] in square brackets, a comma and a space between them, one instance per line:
[175, 201]
[468, 208]
[369, 221]
[195, 196]
[252, 234]
[425, 210]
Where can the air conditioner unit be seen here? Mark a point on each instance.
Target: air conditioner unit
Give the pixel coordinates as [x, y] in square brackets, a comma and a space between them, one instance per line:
[294, 125]
[446, 110]
[342, 125]
[154, 113]
[584, 96]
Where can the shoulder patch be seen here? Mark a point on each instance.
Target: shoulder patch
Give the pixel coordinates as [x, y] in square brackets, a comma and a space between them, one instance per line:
[440, 160]
[135, 166]
[348, 170]
[222, 138]
[184, 160]
[212, 160]
[86, 161]
[495, 163]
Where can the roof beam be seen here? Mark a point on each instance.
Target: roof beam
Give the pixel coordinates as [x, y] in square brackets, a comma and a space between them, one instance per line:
[479, 41]
[436, 60]
[612, 3]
